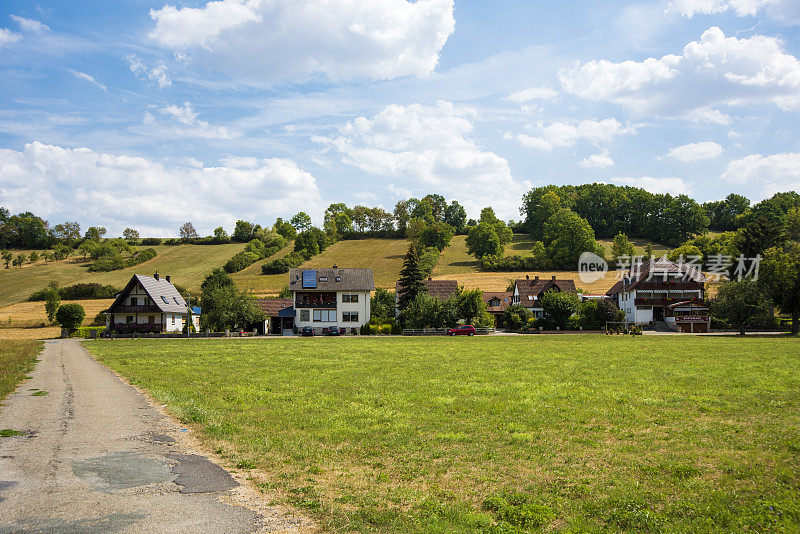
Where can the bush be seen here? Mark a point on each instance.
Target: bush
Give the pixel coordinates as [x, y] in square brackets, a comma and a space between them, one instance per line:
[77, 292]
[99, 319]
[151, 241]
[172, 242]
[240, 261]
[282, 265]
[537, 261]
[85, 332]
[70, 316]
[117, 261]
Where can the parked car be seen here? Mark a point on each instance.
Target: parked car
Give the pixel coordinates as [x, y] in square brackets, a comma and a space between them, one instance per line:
[307, 331]
[463, 330]
[334, 331]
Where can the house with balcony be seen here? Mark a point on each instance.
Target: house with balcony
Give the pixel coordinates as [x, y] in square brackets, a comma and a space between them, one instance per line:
[331, 297]
[528, 291]
[661, 291]
[150, 304]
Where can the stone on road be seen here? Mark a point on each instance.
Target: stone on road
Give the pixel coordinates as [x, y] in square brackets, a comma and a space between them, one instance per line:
[94, 456]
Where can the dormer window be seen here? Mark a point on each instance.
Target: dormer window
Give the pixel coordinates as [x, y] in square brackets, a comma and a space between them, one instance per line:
[323, 278]
[164, 299]
[176, 300]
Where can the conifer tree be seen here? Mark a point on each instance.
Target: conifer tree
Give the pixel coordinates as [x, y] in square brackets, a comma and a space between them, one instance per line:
[411, 278]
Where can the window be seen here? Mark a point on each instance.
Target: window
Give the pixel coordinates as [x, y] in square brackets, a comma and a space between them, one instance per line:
[172, 316]
[133, 301]
[324, 316]
[129, 319]
[323, 278]
[165, 300]
[305, 315]
[350, 298]
[350, 317]
[338, 278]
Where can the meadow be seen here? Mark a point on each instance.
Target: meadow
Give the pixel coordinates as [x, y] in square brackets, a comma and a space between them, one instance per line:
[496, 434]
[17, 359]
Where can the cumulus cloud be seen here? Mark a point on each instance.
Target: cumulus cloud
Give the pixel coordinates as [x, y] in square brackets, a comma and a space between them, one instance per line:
[785, 10]
[430, 148]
[30, 25]
[562, 134]
[597, 161]
[778, 172]
[532, 93]
[186, 124]
[672, 185]
[8, 37]
[708, 115]
[696, 151]
[157, 74]
[87, 77]
[118, 191]
[293, 39]
[716, 70]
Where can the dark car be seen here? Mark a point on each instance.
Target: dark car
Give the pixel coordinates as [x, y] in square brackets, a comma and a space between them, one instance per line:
[463, 330]
[306, 331]
[334, 331]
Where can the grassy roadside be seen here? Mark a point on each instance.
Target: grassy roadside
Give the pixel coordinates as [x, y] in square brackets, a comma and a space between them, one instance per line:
[17, 358]
[573, 433]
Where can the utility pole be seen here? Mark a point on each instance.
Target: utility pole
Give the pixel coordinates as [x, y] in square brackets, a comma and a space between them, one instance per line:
[189, 316]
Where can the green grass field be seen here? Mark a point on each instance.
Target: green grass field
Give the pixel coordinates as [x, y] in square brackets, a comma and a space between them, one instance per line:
[456, 260]
[17, 359]
[187, 264]
[499, 434]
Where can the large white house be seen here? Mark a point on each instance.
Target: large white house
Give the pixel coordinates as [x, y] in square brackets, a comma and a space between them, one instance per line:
[662, 291]
[331, 297]
[150, 304]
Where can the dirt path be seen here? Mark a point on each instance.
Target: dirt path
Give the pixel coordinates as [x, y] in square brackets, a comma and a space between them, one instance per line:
[94, 456]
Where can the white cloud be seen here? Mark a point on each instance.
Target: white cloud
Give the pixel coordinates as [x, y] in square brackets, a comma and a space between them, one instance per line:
[293, 39]
[118, 191]
[562, 134]
[708, 115]
[597, 161]
[87, 77]
[431, 149]
[532, 93]
[673, 186]
[186, 123]
[696, 151]
[784, 10]
[712, 71]
[154, 74]
[8, 37]
[778, 172]
[30, 25]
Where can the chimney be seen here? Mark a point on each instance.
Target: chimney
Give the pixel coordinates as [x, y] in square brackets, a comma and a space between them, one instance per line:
[169, 279]
[156, 276]
[335, 266]
[527, 277]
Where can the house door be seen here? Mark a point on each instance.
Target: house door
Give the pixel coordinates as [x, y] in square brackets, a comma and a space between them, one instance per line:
[658, 313]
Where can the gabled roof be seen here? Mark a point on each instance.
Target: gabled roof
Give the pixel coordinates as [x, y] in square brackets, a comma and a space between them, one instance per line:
[531, 289]
[441, 289]
[161, 292]
[334, 279]
[272, 307]
[653, 270]
[504, 297]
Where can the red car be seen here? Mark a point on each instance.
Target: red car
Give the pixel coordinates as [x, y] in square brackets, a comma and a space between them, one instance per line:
[463, 330]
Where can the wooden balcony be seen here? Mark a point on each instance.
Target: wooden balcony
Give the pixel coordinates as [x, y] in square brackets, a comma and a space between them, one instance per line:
[141, 308]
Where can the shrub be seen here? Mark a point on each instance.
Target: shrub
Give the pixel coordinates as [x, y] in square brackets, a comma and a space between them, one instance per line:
[151, 241]
[77, 292]
[117, 261]
[240, 261]
[85, 332]
[99, 319]
[282, 265]
[386, 329]
[70, 316]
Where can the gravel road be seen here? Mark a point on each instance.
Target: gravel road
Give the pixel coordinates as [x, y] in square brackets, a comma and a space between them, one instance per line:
[94, 456]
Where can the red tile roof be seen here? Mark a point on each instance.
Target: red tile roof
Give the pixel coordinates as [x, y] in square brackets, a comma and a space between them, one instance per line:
[652, 271]
[441, 289]
[271, 307]
[504, 298]
[531, 289]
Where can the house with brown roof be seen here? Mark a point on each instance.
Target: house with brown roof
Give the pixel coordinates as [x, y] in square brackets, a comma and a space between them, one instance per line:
[497, 302]
[150, 304]
[528, 291]
[279, 315]
[331, 297]
[440, 289]
[659, 290]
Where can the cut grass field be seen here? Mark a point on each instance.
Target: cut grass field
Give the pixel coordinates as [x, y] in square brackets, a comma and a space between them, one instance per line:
[497, 434]
[187, 264]
[17, 358]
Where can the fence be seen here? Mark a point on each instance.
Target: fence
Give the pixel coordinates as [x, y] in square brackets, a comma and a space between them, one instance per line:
[441, 331]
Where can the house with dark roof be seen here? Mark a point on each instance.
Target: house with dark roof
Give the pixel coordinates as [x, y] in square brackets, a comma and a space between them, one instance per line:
[440, 289]
[528, 291]
[497, 302]
[659, 290]
[279, 315]
[150, 304]
[331, 297]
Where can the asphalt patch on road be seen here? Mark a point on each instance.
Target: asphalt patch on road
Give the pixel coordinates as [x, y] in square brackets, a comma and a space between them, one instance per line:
[121, 470]
[162, 438]
[98, 525]
[5, 485]
[198, 474]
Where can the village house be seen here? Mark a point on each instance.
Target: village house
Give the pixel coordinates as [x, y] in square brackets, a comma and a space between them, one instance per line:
[331, 297]
[440, 289]
[660, 291]
[150, 304]
[497, 302]
[527, 292]
[279, 315]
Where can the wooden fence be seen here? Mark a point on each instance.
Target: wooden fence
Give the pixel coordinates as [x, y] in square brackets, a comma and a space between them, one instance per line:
[441, 331]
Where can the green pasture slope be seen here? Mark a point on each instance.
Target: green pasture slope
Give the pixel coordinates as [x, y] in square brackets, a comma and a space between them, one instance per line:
[497, 434]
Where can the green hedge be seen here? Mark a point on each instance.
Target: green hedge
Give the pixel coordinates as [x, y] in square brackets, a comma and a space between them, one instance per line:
[77, 292]
[282, 265]
[85, 332]
[117, 262]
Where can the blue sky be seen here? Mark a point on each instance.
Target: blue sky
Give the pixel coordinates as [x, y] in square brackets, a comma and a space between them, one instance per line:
[147, 114]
